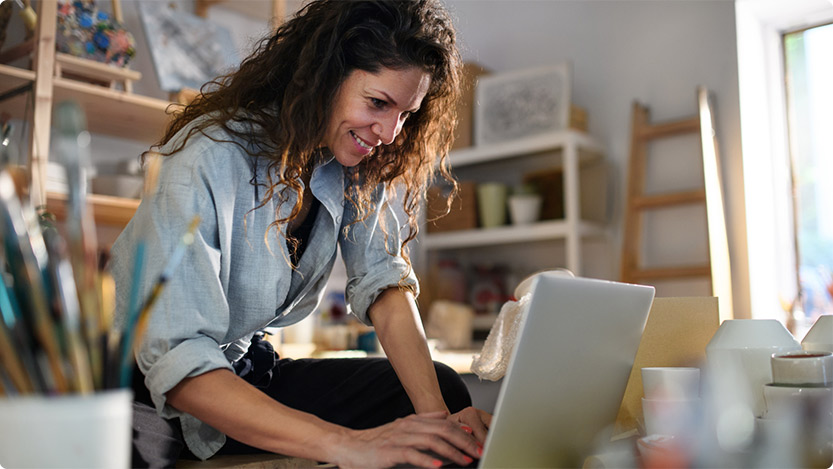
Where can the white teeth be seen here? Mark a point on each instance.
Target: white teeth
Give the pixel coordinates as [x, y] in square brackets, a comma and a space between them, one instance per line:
[360, 141]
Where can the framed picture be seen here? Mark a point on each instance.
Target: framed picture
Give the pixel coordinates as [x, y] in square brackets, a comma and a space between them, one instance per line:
[521, 104]
[187, 50]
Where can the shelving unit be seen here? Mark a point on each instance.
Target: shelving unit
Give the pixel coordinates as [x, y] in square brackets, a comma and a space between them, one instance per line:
[109, 111]
[115, 113]
[12, 78]
[574, 148]
[549, 229]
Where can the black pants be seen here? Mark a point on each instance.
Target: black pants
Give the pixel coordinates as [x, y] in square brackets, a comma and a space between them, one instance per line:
[356, 393]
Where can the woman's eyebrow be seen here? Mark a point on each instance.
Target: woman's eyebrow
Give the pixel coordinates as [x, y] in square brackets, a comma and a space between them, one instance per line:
[387, 97]
[392, 101]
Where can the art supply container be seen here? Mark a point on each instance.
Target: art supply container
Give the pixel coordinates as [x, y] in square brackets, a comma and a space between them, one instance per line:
[68, 431]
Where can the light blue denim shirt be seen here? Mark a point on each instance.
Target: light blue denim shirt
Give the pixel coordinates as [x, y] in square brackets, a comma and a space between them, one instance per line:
[235, 278]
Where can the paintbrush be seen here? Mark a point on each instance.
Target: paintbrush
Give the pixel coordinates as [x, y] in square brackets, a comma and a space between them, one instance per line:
[67, 311]
[20, 341]
[26, 255]
[10, 358]
[72, 145]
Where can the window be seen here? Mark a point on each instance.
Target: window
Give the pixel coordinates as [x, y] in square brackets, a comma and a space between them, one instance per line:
[809, 92]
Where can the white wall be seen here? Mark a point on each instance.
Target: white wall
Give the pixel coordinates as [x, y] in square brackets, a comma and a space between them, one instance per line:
[656, 52]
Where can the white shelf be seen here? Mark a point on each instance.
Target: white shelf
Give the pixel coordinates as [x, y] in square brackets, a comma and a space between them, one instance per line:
[545, 230]
[570, 149]
[525, 147]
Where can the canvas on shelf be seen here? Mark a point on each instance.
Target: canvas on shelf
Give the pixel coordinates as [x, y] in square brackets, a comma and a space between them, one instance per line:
[523, 103]
[187, 50]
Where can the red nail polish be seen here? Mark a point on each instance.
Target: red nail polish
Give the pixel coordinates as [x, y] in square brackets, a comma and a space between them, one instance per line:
[479, 449]
[467, 459]
[467, 429]
[437, 463]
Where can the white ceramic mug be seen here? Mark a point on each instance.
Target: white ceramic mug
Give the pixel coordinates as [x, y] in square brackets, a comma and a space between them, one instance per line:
[670, 382]
[794, 401]
[670, 416]
[803, 368]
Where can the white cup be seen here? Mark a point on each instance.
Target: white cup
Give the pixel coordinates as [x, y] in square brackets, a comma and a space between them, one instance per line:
[803, 368]
[85, 431]
[798, 401]
[524, 208]
[671, 382]
[799, 422]
[675, 417]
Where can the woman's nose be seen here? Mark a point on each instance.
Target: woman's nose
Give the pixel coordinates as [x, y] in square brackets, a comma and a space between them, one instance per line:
[387, 129]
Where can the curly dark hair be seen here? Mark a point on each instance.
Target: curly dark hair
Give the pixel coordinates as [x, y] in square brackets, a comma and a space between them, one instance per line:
[286, 87]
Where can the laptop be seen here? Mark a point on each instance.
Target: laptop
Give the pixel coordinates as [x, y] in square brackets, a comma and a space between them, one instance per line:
[567, 375]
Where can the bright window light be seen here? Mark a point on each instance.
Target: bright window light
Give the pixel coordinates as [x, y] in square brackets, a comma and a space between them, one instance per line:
[809, 73]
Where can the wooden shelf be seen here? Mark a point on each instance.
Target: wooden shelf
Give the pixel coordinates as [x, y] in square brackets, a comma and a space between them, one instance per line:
[111, 112]
[11, 78]
[107, 210]
[115, 113]
[66, 63]
[526, 147]
[545, 230]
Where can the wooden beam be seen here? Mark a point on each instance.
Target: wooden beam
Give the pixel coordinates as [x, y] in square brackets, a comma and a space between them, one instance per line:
[117, 11]
[107, 210]
[671, 199]
[671, 272]
[42, 115]
[278, 13]
[667, 129]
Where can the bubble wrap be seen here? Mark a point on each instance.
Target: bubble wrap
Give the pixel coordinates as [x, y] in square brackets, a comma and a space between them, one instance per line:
[493, 359]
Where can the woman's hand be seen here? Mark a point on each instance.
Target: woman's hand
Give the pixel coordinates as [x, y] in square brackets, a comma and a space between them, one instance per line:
[421, 440]
[474, 421]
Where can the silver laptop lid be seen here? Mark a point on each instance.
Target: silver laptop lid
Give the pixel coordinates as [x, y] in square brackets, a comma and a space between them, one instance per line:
[568, 371]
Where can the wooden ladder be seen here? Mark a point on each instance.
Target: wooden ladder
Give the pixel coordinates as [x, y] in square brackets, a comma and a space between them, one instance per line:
[642, 134]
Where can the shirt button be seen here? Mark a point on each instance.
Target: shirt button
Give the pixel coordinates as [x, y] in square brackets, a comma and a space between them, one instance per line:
[338, 219]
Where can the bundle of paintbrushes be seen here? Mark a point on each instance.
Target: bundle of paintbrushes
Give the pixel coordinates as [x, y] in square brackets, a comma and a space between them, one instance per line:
[56, 304]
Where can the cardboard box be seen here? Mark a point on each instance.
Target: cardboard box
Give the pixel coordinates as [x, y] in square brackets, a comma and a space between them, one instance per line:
[464, 133]
[594, 182]
[676, 334]
[463, 213]
[578, 118]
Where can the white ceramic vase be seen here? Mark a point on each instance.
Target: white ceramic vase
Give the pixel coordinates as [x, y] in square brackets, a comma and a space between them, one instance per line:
[739, 355]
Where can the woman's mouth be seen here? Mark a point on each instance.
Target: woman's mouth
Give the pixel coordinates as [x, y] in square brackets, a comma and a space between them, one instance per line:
[360, 142]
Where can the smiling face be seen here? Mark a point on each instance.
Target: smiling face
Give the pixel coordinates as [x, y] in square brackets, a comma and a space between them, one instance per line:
[370, 109]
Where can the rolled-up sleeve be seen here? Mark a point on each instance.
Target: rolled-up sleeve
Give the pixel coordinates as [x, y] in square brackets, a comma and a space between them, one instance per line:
[191, 316]
[372, 256]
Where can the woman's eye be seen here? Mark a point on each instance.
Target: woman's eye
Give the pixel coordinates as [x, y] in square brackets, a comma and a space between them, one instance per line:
[378, 102]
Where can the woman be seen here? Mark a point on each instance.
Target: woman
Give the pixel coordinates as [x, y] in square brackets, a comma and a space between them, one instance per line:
[292, 155]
